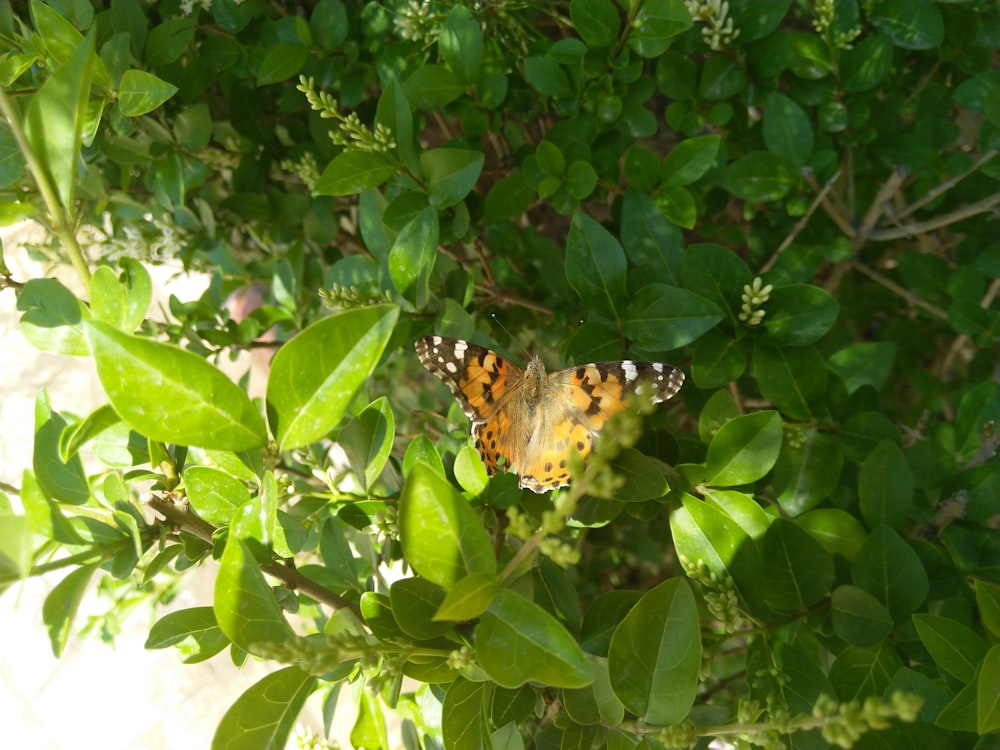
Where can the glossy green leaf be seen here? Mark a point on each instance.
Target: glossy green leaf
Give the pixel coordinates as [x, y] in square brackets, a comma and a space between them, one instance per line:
[911, 24]
[797, 570]
[678, 205]
[864, 364]
[742, 508]
[690, 159]
[595, 265]
[596, 703]
[265, 714]
[887, 567]
[245, 607]
[547, 77]
[432, 86]
[652, 244]
[140, 93]
[354, 172]
[655, 654]
[987, 696]
[663, 318]
[518, 642]
[956, 649]
[787, 130]
[367, 441]
[807, 471]
[422, 450]
[655, 26]
[55, 118]
[316, 374]
[705, 534]
[510, 196]
[463, 722]
[61, 605]
[716, 273]
[758, 177]
[469, 470]
[414, 602]
[328, 24]
[858, 672]
[885, 486]
[460, 42]
[193, 632]
[442, 537]
[988, 602]
[214, 495]
[744, 450]
[256, 520]
[451, 174]
[602, 618]
[581, 179]
[64, 481]
[171, 395]
[867, 63]
[596, 21]
[798, 315]
[793, 379]
[283, 61]
[395, 114]
[412, 256]
[468, 598]
[169, 40]
[721, 78]
[758, 19]
[52, 317]
[810, 56]
[838, 531]
[15, 547]
[121, 299]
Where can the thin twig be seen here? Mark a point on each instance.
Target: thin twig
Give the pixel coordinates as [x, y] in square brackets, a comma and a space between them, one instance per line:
[877, 208]
[944, 187]
[801, 223]
[179, 515]
[830, 205]
[903, 292]
[936, 222]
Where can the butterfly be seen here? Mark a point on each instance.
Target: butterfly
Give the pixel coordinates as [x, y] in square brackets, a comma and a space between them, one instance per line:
[535, 419]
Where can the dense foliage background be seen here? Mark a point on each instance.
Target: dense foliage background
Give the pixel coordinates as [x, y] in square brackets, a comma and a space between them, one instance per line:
[795, 202]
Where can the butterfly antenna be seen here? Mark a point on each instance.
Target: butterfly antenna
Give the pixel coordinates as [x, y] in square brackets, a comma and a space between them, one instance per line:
[509, 335]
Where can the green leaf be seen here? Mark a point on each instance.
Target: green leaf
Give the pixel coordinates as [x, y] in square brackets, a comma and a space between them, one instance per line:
[655, 654]
[168, 41]
[716, 273]
[798, 315]
[988, 603]
[442, 538]
[508, 197]
[758, 177]
[547, 77]
[470, 473]
[121, 299]
[981, 93]
[463, 723]
[864, 364]
[717, 360]
[265, 714]
[797, 570]
[704, 533]
[412, 257]
[581, 179]
[432, 87]
[193, 632]
[807, 471]
[743, 450]
[987, 697]
[54, 120]
[460, 43]
[171, 395]
[758, 19]
[858, 617]
[316, 374]
[451, 173]
[518, 642]
[721, 78]
[911, 24]
[422, 450]
[787, 130]
[867, 63]
[652, 243]
[395, 114]
[663, 318]
[414, 602]
[656, 24]
[888, 568]
[61, 605]
[793, 379]
[245, 606]
[354, 172]
[596, 21]
[810, 56]
[468, 598]
[328, 24]
[678, 204]
[595, 265]
[885, 486]
[955, 648]
[282, 61]
[15, 547]
[140, 92]
[66, 481]
[367, 441]
[596, 703]
[214, 495]
[690, 159]
[839, 532]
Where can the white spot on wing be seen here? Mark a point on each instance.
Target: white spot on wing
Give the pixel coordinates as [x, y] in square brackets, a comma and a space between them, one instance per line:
[450, 367]
[631, 373]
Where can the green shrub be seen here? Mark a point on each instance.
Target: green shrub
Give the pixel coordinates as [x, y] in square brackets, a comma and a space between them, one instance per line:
[794, 202]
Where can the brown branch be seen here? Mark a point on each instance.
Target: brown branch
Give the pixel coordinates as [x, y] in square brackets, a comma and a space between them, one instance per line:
[936, 222]
[179, 515]
[900, 290]
[944, 187]
[801, 224]
[833, 208]
[877, 208]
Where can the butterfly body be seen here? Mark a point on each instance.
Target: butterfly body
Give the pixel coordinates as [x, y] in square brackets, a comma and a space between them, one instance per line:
[534, 419]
